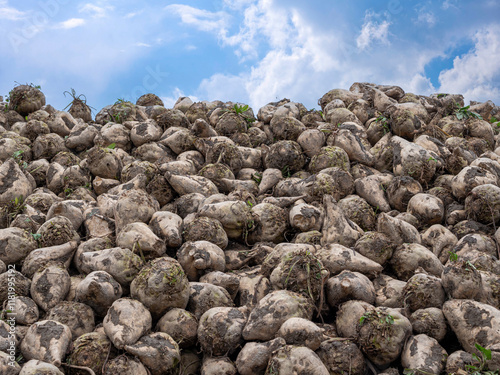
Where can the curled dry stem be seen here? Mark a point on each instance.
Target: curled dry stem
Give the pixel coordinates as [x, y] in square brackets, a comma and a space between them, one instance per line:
[106, 360]
[140, 251]
[249, 226]
[79, 368]
[322, 293]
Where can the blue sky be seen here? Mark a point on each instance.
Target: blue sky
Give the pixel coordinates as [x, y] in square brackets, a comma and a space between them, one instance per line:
[250, 51]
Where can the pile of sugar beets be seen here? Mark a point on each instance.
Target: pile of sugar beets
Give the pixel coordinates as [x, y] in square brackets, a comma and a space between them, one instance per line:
[359, 239]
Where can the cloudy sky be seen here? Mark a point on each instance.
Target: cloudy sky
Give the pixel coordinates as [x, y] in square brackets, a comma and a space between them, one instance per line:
[250, 51]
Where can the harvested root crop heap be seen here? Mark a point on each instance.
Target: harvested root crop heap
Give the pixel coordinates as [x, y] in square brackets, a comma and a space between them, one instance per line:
[207, 239]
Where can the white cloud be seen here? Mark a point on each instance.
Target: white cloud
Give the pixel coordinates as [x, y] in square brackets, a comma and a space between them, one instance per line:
[140, 44]
[310, 60]
[447, 4]
[303, 59]
[420, 84]
[203, 20]
[295, 66]
[133, 14]
[313, 44]
[492, 3]
[262, 21]
[426, 17]
[95, 10]
[372, 31]
[71, 23]
[237, 4]
[476, 74]
[10, 13]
